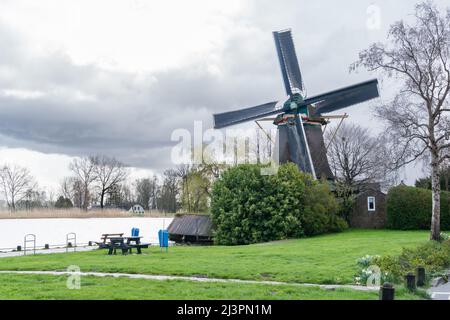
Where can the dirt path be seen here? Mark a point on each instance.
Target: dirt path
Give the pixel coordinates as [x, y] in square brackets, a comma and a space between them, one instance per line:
[166, 277]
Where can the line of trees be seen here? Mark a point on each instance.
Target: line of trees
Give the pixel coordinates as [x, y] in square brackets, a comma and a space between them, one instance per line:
[103, 182]
[99, 182]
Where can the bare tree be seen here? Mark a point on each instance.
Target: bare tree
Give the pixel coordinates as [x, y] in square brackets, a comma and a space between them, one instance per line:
[77, 192]
[83, 168]
[357, 158]
[16, 183]
[108, 173]
[417, 119]
[66, 188]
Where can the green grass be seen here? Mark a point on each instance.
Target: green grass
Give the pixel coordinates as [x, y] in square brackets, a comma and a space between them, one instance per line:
[320, 260]
[45, 287]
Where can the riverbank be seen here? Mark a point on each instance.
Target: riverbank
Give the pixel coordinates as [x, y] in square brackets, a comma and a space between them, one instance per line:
[79, 214]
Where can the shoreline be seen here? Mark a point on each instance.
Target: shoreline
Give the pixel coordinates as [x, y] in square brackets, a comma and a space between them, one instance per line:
[82, 218]
[78, 214]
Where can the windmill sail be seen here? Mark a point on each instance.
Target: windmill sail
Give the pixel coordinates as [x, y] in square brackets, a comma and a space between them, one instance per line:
[290, 69]
[342, 98]
[300, 142]
[226, 119]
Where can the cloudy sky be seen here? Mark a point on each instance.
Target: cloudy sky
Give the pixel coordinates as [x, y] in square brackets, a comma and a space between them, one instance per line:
[117, 77]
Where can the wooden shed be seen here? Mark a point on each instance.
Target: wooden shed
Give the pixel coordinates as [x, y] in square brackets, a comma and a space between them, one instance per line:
[191, 228]
[369, 210]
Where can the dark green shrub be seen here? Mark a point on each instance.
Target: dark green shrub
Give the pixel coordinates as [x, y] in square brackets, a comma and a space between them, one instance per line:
[409, 208]
[433, 256]
[63, 203]
[247, 207]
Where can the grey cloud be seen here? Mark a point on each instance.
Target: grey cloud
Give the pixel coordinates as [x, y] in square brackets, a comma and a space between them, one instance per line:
[87, 109]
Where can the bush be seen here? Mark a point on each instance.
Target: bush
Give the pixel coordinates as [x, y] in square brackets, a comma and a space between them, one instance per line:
[409, 208]
[433, 256]
[368, 270]
[63, 203]
[247, 207]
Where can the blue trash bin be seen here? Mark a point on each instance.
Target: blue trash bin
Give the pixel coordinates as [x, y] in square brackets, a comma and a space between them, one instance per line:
[163, 236]
[135, 232]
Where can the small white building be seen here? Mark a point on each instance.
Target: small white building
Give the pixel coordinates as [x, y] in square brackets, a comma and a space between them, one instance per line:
[137, 209]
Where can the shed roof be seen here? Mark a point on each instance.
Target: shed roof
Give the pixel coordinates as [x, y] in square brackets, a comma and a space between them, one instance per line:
[191, 225]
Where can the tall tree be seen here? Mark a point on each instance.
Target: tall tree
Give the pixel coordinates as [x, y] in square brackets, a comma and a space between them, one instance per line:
[169, 192]
[195, 197]
[183, 172]
[146, 192]
[108, 173]
[83, 168]
[356, 157]
[119, 196]
[16, 183]
[418, 56]
[77, 188]
[66, 188]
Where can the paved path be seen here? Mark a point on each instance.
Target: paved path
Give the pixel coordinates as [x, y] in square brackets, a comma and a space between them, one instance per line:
[7, 254]
[440, 293]
[166, 277]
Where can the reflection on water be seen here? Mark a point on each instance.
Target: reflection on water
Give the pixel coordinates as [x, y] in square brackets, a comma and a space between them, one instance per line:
[53, 231]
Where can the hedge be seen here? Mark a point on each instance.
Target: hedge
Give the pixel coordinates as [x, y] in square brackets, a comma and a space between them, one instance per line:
[409, 208]
[247, 207]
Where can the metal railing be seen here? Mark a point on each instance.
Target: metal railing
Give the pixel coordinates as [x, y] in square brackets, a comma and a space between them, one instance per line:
[29, 238]
[71, 241]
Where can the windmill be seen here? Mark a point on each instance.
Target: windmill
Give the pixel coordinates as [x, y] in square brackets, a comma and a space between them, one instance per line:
[300, 119]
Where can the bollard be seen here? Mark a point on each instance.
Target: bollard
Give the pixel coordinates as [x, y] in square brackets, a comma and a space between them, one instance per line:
[410, 281]
[19, 248]
[420, 273]
[90, 243]
[387, 291]
[46, 246]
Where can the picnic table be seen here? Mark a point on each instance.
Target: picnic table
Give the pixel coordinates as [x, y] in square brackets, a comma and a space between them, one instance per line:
[107, 236]
[126, 244]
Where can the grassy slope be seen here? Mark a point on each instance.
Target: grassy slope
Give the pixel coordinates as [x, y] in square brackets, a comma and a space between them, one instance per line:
[54, 287]
[324, 259]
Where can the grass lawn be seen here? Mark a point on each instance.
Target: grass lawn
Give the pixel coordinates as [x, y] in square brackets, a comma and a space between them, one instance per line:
[47, 287]
[328, 259]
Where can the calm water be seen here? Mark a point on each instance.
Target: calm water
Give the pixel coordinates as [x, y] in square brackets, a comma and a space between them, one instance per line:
[53, 231]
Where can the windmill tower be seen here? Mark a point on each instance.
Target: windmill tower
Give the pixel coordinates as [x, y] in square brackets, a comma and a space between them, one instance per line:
[300, 119]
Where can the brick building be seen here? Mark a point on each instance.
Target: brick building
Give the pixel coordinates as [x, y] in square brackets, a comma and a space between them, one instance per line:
[369, 209]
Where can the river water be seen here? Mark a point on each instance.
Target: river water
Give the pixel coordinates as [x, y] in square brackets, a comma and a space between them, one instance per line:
[54, 231]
